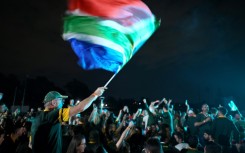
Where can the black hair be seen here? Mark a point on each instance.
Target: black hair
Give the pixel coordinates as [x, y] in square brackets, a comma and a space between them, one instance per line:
[222, 110]
[153, 145]
[75, 141]
[193, 141]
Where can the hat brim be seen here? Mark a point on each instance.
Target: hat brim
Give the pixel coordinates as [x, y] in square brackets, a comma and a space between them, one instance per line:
[63, 96]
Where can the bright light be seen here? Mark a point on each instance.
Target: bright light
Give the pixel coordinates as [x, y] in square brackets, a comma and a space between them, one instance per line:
[78, 101]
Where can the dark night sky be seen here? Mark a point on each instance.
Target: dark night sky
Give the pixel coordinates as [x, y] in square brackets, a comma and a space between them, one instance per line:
[198, 53]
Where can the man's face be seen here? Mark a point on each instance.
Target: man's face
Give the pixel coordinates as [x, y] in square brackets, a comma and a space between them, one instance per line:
[72, 102]
[82, 146]
[153, 128]
[205, 108]
[20, 131]
[59, 103]
[237, 116]
[205, 135]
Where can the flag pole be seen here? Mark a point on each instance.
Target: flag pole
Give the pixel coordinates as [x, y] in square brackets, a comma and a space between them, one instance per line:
[110, 80]
[112, 77]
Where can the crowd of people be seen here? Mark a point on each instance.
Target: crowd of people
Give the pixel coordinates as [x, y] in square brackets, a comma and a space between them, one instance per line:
[156, 127]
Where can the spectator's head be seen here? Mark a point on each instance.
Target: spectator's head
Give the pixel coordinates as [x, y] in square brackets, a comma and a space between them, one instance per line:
[94, 137]
[153, 128]
[222, 111]
[77, 144]
[193, 141]
[153, 145]
[214, 111]
[71, 102]
[191, 112]
[205, 108]
[39, 109]
[3, 108]
[54, 99]
[213, 148]
[208, 135]
[112, 127]
[1, 95]
[32, 110]
[179, 137]
[237, 116]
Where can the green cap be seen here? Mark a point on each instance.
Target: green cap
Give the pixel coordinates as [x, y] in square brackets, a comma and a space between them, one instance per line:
[53, 95]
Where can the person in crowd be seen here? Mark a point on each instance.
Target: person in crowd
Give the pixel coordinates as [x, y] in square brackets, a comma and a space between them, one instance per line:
[193, 145]
[166, 124]
[190, 120]
[208, 136]
[93, 141]
[181, 144]
[122, 112]
[145, 121]
[153, 145]
[71, 102]
[240, 124]
[203, 122]
[3, 108]
[178, 127]
[168, 119]
[72, 118]
[224, 129]
[11, 142]
[77, 144]
[16, 113]
[151, 116]
[46, 128]
[213, 113]
[39, 109]
[241, 147]
[31, 114]
[213, 148]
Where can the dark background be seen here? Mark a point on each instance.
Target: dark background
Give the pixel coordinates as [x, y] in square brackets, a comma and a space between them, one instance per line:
[196, 54]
